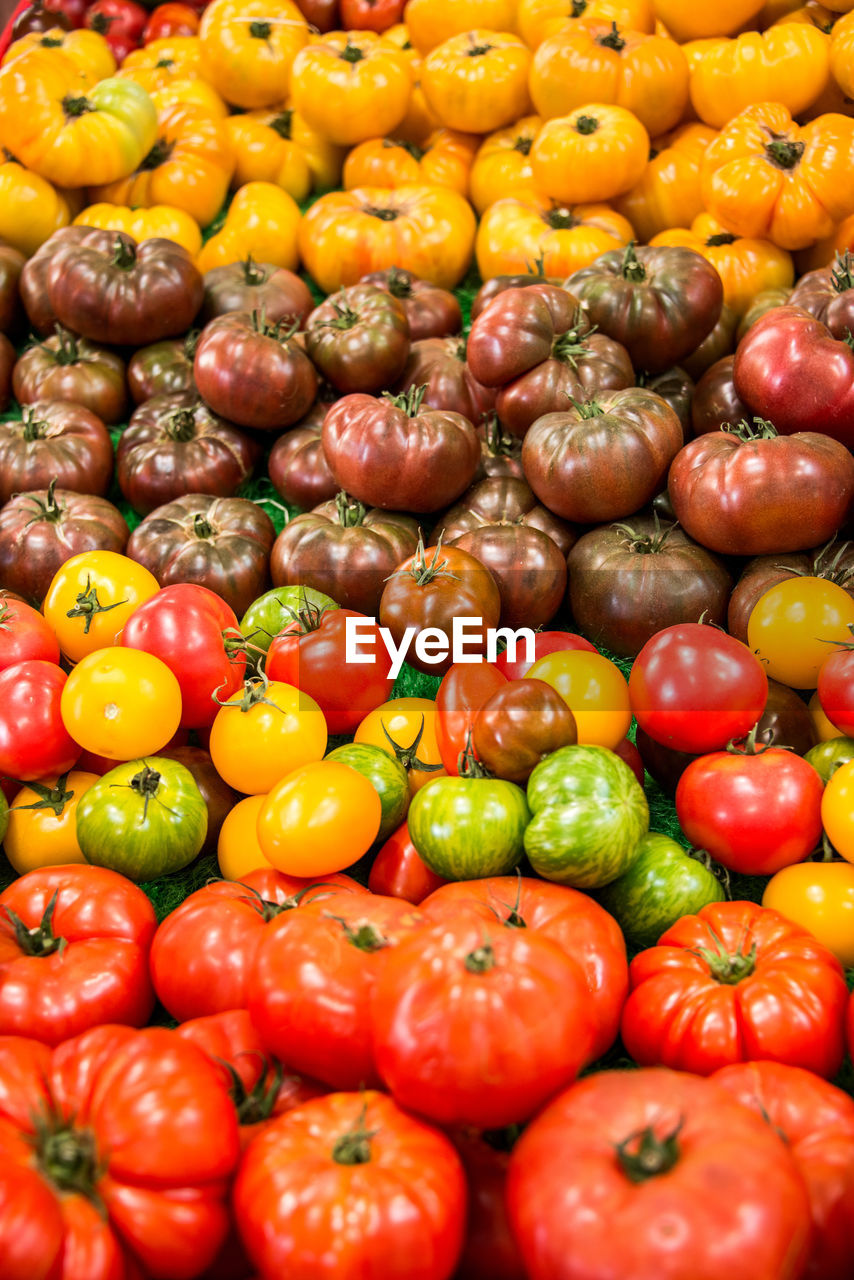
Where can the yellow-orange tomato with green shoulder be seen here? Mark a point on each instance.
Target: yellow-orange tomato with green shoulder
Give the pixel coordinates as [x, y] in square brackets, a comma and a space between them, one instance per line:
[321, 818]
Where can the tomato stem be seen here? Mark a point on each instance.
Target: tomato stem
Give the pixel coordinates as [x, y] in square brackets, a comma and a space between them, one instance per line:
[49, 510]
[781, 151]
[498, 442]
[124, 253]
[408, 756]
[409, 401]
[68, 1158]
[588, 409]
[256, 1104]
[180, 425]
[145, 784]
[158, 155]
[756, 429]
[32, 429]
[351, 513]
[523, 144]
[585, 125]
[254, 693]
[613, 40]
[645, 543]
[400, 282]
[66, 352]
[365, 936]
[842, 272]
[384, 214]
[354, 1147]
[631, 268]
[351, 52]
[281, 123]
[726, 967]
[55, 798]
[88, 604]
[481, 960]
[643, 1155]
[40, 940]
[202, 527]
[260, 30]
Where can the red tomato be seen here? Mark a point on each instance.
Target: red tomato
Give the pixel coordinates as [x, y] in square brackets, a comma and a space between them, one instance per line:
[816, 1121]
[171, 20]
[836, 689]
[33, 740]
[74, 944]
[196, 634]
[544, 642]
[490, 1251]
[398, 871]
[694, 688]
[120, 22]
[464, 689]
[310, 654]
[313, 983]
[24, 634]
[627, 751]
[370, 15]
[756, 986]
[754, 813]
[116, 1152]
[350, 1185]
[203, 953]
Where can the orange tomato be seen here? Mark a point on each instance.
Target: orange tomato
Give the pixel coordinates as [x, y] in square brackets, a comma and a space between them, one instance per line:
[746, 266]
[405, 728]
[842, 54]
[518, 231]
[788, 64]
[594, 689]
[263, 154]
[502, 163]
[539, 19]
[248, 49]
[668, 193]
[350, 86]
[477, 81]
[824, 251]
[432, 22]
[262, 221]
[42, 830]
[90, 598]
[319, 819]
[121, 703]
[595, 153]
[445, 160]
[688, 20]
[238, 851]
[264, 732]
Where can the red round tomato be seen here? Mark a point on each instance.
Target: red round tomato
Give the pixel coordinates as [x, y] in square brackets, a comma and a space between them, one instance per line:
[836, 688]
[33, 740]
[398, 871]
[24, 634]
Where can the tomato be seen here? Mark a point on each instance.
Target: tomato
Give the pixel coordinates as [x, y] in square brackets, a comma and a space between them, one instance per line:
[91, 597]
[407, 729]
[322, 1028]
[453, 76]
[693, 688]
[758, 987]
[829, 753]
[312, 655]
[238, 851]
[463, 982]
[203, 953]
[264, 733]
[694, 1181]
[793, 626]
[469, 826]
[519, 726]
[589, 815]
[74, 942]
[399, 872]
[358, 339]
[354, 1158]
[271, 612]
[40, 828]
[169, 20]
[249, 49]
[33, 739]
[351, 86]
[24, 634]
[55, 441]
[490, 1251]
[837, 810]
[121, 703]
[386, 775]
[663, 884]
[320, 818]
[464, 689]
[120, 22]
[593, 688]
[121, 1145]
[514, 667]
[819, 896]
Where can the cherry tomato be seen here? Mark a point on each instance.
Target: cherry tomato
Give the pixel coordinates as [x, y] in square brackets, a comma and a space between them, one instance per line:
[595, 690]
[33, 740]
[238, 851]
[321, 818]
[264, 732]
[544, 642]
[820, 897]
[837, 810]
[91, 597]
[793, 626]
[121, 703]
[405, 728]
[42, 829]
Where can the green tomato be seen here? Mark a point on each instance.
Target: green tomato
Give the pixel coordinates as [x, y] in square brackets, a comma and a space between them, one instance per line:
[143, 819]
[271, 613]
[826, 757]
[589, 811]
[663, 884]
[387, 776]
[468, 828]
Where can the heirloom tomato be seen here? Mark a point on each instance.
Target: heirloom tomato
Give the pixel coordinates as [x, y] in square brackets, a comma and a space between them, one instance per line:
[454, 73]
[297, 464]
[256, 286]
[171, 19]
[469, 826]
[265, 732]
[465, 688]
[261, 220]
[121, 703]
[595, 690]
[399, 872]
[238, 851]
[358, 339]
[319, 818]
[24, 634]
[836, 687]
[829, 753]
[668, 193]
[519, 726]
[386, 775]
[42, 822]
[514, 664]
[444, 160]
[120, 22]
[75, 943]
[218, 796]
[593, 153]
[663, 884]
[539, 19]
[351, 86]
[33, 739]
[516, 230]
[795, 624]
[54, 442]
[272, 612]
[828, 294]
[91, 597]
[837, 810]
[431, 312]
[407, 729]
[67, 368]
[788, 64]
[758, 986]
[248, 49]
[819, 896]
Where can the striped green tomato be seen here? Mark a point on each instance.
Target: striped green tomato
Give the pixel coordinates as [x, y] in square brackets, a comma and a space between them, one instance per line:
[468, 828]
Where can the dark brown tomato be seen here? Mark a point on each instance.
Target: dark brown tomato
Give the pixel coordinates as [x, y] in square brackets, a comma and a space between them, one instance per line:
[8, 356]
[359, 339]
[628, 581]
[519, 726]
[34, 275]
[659, 302]
[498, 284]
[219, 797]
[504, 500]
[717, 344]
[163, 367]
[55, 440]
[834, 562]
[517, 331]
[40, 530]
[115, 290]
[677, 388]
[322, 14]
[828, 294]
[430, 590]
[223, 544]
[527, 566]
[11, 312]
[395, 454]
[37, 17]
[749, 491]
[65, 367]
[578, 367]
[174, 445]
[297, 465]
[716, 401]
[252, 373]
[605, 459]
[500, 453]
[431, 312]
[345, 551]
[786, 721]
[274, 292]
[439, 364]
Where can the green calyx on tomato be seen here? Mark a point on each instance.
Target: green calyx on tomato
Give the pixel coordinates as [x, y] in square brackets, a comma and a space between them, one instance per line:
[254, 692]
[409, 401]
[354, 1147]
[631, 268]
[256, 1104]
[88, 605]
[55, 798]
[41, 940]
[728, 967]
[644, 1155]
[68, 1157]
[407, 757]
[365, 937]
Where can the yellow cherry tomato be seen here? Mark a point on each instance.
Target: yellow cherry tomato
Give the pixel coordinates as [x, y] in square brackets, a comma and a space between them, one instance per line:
[121, 703]
[819, 896]
[321, 818]
[263, 732]
[42, 829]
[91, 597]
[594, 689]
[395, 726]
[794, 626]
[238, 851]
[824, 728]
[837, 810]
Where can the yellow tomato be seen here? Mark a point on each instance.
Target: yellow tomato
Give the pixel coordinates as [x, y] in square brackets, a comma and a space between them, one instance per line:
[265, 732]
[502, 163]
[322, 818]
[794, 626]
[88, 50]
[842, 54]
[668, 193]
[351, 86]
[248, 49]
[30, 208]
[161, 220]
[431, 22]
[262, 222]
[819, 896]
[121, 703]
[405, 728]
[788, 64]
[837, 810]
[539, 19]
[595, 153]
[444, 161]
[688, 20]
[262, 154]
[91, 597]
[478, 81]
[521, 230]
[594, 689]
[190, 93]
[238, 851]
[823, 727]
[42, 829]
